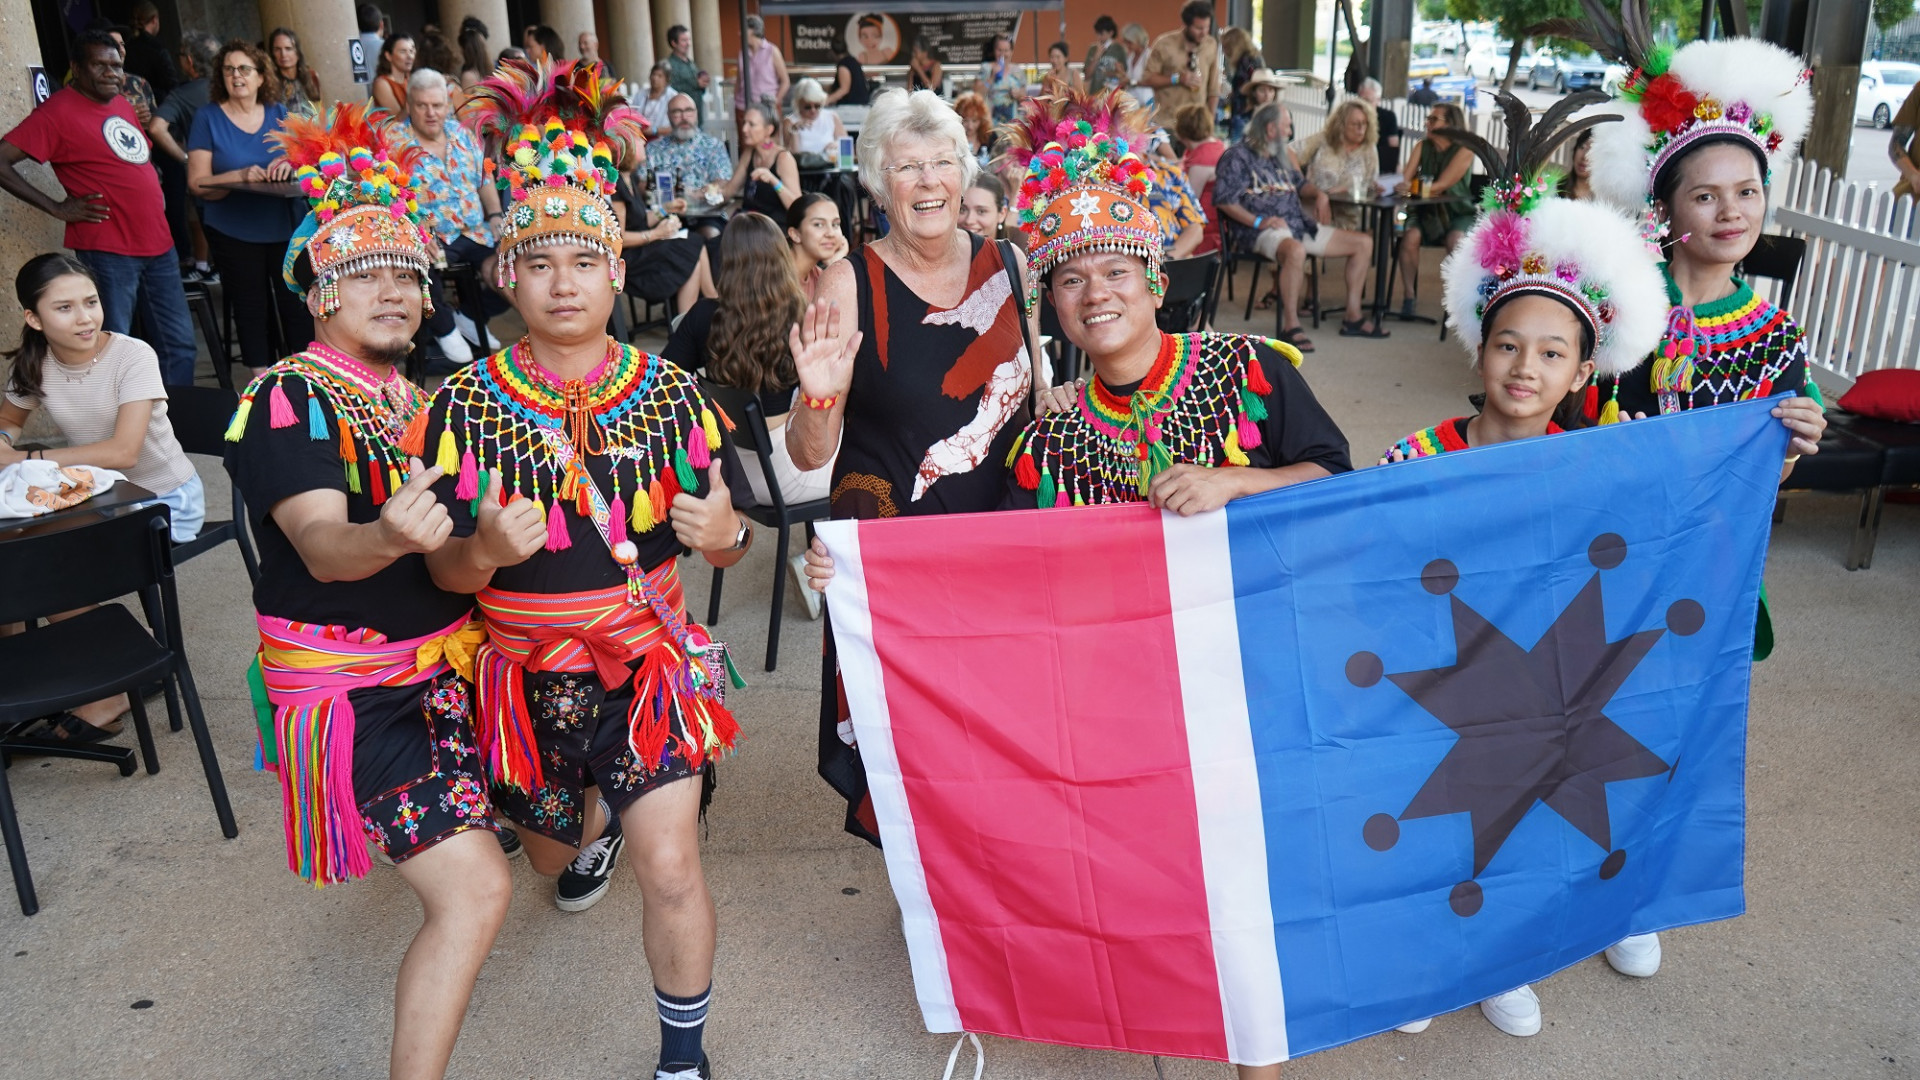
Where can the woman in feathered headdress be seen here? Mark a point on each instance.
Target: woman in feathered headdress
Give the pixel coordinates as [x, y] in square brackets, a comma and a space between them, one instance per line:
[1702, 132]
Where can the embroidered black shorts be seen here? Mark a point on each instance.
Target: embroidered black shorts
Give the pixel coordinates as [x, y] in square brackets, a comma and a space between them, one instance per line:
[416, 774]
[580, 731]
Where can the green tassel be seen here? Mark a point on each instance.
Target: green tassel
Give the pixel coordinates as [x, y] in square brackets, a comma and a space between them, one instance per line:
[1046, 493]
[1252, 404]
[683, 469]
[1018, 441]
[733, 673]
[473, 504]
[353, 478]
[262, 714]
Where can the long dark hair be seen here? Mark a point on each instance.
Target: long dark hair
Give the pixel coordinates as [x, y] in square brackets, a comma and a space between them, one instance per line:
[385, 67]
[308, 79]
[473, 47]
[29, 285]
[760, 299]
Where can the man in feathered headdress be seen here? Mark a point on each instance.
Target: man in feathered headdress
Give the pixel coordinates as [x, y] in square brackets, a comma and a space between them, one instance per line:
[577, 469]
[362, 679]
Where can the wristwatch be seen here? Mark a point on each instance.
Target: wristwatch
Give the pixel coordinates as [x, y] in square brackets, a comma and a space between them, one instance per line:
[745, 534]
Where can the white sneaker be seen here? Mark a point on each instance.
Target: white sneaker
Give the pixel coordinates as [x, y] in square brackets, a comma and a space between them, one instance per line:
[480, 336]
[1416, 1027]
[807, 595]
[456, 348]
[1638, 956]
[1516, 1012]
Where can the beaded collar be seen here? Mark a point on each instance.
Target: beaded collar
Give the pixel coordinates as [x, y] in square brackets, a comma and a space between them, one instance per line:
[535, 395]
[1137, 418]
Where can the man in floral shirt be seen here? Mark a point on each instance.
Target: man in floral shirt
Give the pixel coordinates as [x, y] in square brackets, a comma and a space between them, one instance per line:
[698, 161]
[457, 205]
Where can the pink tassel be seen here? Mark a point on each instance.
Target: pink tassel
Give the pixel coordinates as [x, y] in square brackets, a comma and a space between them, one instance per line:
[557, 537]
[617, 521]
[279, 409]
[697, 455]
[1249, 434]
[469, 485]
[1060, 498]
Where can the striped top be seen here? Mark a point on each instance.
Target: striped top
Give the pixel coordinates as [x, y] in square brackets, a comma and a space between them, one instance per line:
[1441, 438]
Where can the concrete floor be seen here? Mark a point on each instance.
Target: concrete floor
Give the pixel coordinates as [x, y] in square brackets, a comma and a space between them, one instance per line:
[163, 951]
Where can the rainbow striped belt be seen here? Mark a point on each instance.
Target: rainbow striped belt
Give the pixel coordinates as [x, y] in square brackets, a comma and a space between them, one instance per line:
[303, 672]
[679, 679]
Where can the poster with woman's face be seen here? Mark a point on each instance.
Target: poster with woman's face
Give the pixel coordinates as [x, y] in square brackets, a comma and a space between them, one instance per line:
[873, 38]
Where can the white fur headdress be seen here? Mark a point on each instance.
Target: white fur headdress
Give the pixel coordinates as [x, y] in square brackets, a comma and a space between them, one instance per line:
[1528, 240]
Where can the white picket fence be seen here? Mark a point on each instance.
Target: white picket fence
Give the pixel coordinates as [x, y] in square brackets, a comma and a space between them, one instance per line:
[1858, 293]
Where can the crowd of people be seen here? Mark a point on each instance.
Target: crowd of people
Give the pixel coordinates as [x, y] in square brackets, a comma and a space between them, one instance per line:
[482, 580]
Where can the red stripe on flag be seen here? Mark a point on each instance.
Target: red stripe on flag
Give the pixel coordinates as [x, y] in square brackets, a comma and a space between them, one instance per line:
[1036, 709]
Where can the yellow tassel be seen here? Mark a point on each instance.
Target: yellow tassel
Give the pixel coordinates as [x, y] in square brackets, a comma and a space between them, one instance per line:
[642, 516]
[713, 428]
[238, 426]
[1610, 412]
[1235, 455]
[448, 458]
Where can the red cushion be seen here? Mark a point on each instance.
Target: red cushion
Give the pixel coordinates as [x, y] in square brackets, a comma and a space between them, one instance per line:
[1893, 394]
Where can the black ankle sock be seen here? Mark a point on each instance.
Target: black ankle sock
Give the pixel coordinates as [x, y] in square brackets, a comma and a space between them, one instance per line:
[683, 1020]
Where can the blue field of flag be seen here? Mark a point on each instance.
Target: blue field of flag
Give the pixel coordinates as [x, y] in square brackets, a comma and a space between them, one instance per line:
[1499, 701]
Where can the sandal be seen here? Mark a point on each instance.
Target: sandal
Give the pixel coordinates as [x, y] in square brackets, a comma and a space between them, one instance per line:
[1266, 302]
[1409, 308]
[1358, 328]
[1297, 338]
[66, 727]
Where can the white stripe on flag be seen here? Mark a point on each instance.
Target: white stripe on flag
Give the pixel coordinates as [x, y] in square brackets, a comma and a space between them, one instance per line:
[1226, 784]
[873, 727]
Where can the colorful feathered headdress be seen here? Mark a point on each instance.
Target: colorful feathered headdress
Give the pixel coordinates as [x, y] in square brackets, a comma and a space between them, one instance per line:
[1086, 181]
[1737, 90]
[1529, 240]
[557, 137]
[359, 180]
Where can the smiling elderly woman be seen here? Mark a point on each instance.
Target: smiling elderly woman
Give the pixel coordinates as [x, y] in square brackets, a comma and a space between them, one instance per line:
[914, 362]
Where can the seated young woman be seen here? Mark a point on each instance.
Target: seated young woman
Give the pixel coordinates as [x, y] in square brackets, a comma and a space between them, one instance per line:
[813, 231]
[103, 391]
[740, 340]
[660, 265]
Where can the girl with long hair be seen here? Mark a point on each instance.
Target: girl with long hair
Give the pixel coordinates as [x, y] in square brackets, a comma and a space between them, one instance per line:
[766, 177]
[740, 339]
[299, 87]
[103, 391]
[390, 81]
[1344, 158]
[813, 231]
[474, 62]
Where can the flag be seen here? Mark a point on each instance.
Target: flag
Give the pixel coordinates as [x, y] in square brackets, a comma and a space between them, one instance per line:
[1358, 752]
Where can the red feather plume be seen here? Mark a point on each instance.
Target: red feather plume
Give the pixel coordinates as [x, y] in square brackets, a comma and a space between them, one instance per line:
[304, 140]
[1112, 112]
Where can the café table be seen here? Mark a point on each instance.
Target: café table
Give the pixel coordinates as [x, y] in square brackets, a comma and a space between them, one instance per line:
[1379, 212]
[118, 500]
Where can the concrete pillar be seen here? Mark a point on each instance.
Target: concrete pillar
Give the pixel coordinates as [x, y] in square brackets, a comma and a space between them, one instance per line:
[568, 18]
[706, 34]
[491, 12]
[325, 30]
[629, 45]
[24, 231]
[1832, 36]
[670, 13]
[1390, 45]
[1286, 30]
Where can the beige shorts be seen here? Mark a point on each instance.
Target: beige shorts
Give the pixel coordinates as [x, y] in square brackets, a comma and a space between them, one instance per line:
[1267, 241]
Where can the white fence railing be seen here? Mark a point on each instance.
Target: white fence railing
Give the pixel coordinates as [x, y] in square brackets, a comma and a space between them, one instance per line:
[1858, 293]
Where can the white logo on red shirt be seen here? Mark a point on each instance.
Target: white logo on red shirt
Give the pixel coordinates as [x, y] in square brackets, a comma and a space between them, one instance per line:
[125, 140]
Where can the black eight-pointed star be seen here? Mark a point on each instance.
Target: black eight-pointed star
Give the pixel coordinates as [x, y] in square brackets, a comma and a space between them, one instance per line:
[1530, 721]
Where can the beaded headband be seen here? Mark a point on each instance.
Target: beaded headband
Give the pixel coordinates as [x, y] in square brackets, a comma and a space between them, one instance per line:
[364, 213]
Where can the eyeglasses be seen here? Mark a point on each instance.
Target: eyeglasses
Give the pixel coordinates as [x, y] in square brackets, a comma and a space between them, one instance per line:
[938, 167]
[809, 107]
[247, 69]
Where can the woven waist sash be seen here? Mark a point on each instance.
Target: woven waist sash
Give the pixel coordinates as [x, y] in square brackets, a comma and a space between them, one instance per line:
[620, 634]
[301, 678]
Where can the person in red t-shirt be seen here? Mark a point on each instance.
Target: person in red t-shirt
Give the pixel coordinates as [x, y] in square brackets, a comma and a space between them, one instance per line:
[115, 214]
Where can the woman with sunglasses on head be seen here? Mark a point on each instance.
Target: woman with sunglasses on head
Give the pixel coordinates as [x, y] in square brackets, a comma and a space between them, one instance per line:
[813, 128]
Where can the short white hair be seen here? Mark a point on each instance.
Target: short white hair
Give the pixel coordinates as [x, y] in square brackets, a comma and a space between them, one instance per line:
[921, 113]
[809, 91]
[1371, 86]
[425, 78]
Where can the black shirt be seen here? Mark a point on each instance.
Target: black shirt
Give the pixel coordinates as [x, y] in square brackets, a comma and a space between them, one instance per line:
[147, 57]
[271, 464]
[1389, 130]
[688, 348]
[858, 92]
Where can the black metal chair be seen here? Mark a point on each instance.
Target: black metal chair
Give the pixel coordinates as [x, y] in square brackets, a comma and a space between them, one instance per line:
[1189, 299]
[1777, 257]
[199, 415]
[750, 434]
[219, 348]
[93, 655]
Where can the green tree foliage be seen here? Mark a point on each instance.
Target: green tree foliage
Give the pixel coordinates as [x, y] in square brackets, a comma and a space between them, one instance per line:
[1888, 14]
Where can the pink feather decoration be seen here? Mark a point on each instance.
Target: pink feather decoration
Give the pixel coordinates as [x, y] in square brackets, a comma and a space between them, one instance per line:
[1504, 242]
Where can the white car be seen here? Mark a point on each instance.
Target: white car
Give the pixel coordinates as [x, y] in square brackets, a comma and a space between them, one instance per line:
[1487, 61]
[1884, 86]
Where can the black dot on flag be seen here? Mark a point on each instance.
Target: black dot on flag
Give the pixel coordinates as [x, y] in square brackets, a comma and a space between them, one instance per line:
[1381, 832]
[1612, 864]
[1364, 669]
[1607, 551]
[1466, 899]
[1440, 576]
[1686, 617]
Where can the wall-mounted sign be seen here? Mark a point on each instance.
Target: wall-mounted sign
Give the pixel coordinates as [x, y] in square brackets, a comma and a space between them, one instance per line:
[357, 56]
[873, 37]
[38, 84]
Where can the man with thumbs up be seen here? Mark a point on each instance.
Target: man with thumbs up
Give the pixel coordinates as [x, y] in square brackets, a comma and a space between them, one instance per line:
[579, 470]
[364, 663]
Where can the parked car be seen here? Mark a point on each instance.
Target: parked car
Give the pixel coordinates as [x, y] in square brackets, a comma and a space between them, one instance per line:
[1433, 65]
[1884, 86]
[1566, 71]
[1487, 61]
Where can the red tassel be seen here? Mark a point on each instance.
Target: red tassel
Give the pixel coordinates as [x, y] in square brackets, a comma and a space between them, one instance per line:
[558, 539]
[617, 521]
[413, 442]
[582, 503]
[1765, 389]
[1249, 434]
[1590, 404]
[279, 409]
[1025, 474]
[469, 485]
[377, 479]
[1257, 377]
[669, 487]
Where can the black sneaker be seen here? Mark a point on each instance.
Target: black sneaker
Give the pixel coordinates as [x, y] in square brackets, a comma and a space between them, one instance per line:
[585, 881]
[510, 843]
[702, 1071]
